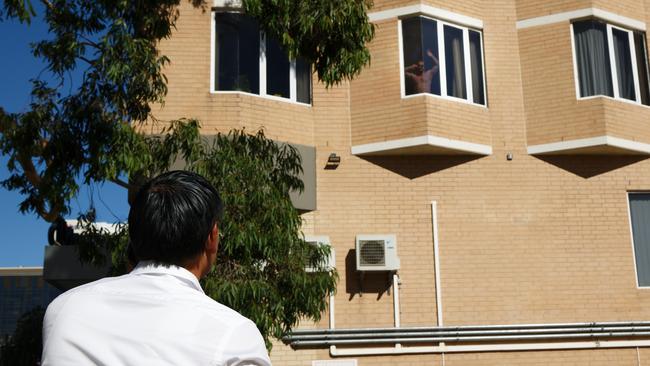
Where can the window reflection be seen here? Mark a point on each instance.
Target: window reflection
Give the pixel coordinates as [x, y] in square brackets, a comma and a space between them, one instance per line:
[303, 81]
[238, 59]
[476, 60]
[623, 59]
[421, 68]
[423, 46]
[277, 69]
[455, 61]
[236, 53]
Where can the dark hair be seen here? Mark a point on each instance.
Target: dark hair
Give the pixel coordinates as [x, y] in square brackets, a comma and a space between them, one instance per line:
[172, 216]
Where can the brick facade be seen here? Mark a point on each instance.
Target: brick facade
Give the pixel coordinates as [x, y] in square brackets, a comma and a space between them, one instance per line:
[522, 241]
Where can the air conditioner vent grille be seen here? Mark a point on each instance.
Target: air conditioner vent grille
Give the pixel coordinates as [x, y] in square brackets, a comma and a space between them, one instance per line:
[372, 253]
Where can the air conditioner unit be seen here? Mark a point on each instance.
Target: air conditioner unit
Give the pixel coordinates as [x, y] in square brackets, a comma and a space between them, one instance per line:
[377, 253]
[330, 262]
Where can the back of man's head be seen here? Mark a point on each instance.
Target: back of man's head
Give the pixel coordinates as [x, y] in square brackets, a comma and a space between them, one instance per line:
[172, 216]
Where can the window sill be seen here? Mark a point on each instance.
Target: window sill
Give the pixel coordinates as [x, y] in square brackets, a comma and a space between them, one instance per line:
[268, 97]
[614, 99]
[452, 99]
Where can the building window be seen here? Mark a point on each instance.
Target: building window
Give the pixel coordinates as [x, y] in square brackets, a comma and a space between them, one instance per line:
[442, 59]
[246, 60]
[611, 61]
[640, 224]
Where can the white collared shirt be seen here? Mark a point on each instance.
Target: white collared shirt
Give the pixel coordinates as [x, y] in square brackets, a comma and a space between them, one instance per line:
[155, 315]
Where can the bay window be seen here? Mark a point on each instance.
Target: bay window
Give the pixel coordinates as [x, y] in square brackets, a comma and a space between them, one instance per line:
[442, 59]
[246, 60]
[610, 61]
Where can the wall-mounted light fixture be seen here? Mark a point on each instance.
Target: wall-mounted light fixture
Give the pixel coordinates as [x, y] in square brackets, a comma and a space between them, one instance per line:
[333, 161]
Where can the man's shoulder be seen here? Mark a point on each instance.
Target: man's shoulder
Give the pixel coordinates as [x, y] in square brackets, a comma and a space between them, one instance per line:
[215, 309]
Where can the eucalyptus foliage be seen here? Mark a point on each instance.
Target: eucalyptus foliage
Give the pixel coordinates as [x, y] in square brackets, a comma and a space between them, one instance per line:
[262, 256]
[88, 131]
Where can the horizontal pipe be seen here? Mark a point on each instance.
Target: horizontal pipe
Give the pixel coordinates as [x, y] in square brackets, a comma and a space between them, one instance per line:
[475, 327]
[409, 334]
[338, 352]
[599, 335]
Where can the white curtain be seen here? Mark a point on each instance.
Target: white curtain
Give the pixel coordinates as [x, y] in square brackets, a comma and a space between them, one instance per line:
[455, 62]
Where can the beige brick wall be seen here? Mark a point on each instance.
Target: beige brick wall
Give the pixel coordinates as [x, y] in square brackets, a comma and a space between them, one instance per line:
[189, 91]
[532, 8]
[524, 241]
[628, 121]
[379, 113]
[473, 8]
[553, 113]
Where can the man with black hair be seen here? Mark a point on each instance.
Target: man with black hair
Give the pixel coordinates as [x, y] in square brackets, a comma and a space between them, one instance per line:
[158, 313]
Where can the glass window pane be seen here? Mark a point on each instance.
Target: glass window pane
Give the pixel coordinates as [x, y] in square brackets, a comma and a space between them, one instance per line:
[420, 53]
[431, 75]
[592, 58]
[642, 66]
[455, 62]
[476, 62]
[640, 216]
[303, 81]
[236, 53]
[623, 59]
[277, 69]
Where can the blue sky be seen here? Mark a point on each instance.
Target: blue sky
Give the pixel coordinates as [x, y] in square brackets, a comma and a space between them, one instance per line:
[23, 237]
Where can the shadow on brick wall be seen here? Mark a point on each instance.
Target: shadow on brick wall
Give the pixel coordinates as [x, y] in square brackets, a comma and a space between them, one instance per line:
[587, 166]
[362, 283]
[415, 166]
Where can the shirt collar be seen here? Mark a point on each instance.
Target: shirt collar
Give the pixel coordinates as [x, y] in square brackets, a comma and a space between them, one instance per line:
[151, 267]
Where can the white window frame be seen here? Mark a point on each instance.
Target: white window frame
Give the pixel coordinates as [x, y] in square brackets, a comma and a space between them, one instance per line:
[442, 62]
[293, 92]
[612, 65]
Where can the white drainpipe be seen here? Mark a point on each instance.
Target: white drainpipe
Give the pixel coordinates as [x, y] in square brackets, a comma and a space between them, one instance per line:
[396, 313]
[488, 348]
[332, 323]
[436, 259]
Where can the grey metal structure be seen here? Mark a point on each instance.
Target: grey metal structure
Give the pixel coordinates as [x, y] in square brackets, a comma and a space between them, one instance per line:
[63, 269]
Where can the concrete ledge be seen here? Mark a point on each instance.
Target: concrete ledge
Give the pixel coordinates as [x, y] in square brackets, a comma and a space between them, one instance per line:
[422, 145]
[600, 145]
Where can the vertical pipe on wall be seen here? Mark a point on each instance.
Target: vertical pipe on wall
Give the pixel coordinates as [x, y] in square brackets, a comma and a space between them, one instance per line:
[436, 263]
[332, 324]
[436, 259]
[396, 312]
[396, 300]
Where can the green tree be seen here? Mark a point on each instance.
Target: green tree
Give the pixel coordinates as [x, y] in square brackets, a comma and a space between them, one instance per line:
[89, 133]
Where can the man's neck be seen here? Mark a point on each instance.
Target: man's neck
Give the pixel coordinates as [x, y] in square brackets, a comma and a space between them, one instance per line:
[199, 267]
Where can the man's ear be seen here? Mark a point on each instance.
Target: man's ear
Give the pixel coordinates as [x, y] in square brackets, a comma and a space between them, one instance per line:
[212, 244]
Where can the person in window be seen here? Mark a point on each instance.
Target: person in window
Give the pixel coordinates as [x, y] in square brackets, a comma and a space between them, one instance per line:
[418, 79]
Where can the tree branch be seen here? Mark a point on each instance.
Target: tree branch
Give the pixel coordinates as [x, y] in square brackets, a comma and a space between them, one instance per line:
[48, 4]
[50, 216]
[122, 183]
